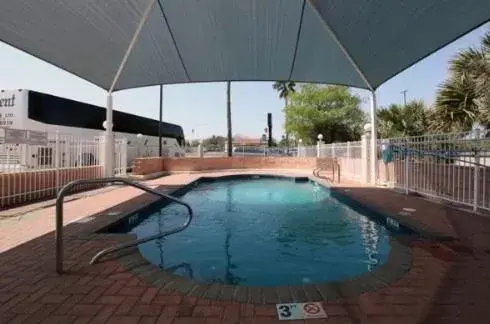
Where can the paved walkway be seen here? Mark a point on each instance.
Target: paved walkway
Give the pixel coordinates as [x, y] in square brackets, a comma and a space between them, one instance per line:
[446, 283]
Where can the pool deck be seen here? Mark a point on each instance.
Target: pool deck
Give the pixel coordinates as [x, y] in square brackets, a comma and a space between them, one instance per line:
[448, 281]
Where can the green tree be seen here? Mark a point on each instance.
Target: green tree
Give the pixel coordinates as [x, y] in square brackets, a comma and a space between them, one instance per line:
[330, 110]
[285, 89]
[464, 98]
[400, 121]
[228, 119]
[194, 143]
[284, 142]
[214, 142]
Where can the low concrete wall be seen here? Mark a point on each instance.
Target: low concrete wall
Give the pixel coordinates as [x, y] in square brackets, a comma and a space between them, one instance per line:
[144, 166]
[28, 186]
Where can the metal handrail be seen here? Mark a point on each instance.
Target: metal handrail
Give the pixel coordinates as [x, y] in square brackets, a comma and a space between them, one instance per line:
[316, 171]
[442, 156]
[113, 180]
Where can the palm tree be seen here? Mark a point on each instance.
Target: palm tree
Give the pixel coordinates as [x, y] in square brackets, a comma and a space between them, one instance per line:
[285, 89]
[464, 99]
[456, 107]
[401, 121]
[228, 118]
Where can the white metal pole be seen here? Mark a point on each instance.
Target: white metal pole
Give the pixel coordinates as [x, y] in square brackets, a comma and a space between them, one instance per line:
[407, 173]
[124, 156]
[476, 175]
[108, 141]
[349, 162]
[374, 140]
[57, 160]
[365, 157]
[108, 137]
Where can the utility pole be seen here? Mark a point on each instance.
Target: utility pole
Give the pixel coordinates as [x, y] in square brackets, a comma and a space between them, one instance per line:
[404, 92]
[228, 119]
[269, 129]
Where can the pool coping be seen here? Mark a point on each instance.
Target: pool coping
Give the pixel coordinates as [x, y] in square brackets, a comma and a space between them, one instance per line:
[398, 263]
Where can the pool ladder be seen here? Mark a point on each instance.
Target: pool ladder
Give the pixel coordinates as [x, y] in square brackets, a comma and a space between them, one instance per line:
[112, 180]
[335, 171]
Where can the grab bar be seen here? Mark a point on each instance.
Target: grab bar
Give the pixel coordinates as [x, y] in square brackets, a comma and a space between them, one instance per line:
[335, 167]
[112, 180]
[442, 156]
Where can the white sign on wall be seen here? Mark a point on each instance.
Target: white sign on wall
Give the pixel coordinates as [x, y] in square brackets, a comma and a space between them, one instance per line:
[37, 138]
[22, 136]
[15, 136]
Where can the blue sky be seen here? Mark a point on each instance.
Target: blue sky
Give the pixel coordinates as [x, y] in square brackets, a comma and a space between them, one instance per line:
[202, 107]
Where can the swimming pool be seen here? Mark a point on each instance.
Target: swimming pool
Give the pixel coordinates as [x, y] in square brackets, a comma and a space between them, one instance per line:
[264, 231]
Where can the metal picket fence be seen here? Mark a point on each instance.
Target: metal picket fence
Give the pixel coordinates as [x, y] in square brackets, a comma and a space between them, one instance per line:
[348, 156]
[307, 151]
[453, 167]
[33, 172]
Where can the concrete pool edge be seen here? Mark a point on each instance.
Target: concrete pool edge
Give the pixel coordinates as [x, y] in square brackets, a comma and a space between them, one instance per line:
[405, 221]
[398, 264]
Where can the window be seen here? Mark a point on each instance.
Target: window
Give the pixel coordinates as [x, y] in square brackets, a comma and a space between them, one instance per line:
[45, 156]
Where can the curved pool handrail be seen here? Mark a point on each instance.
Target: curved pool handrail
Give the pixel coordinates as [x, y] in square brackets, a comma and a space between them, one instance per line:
[335, 167]
[110, 180]
[140, 241]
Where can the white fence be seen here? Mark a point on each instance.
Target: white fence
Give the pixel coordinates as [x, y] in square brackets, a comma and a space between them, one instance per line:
[32, 172]
[243, 150]
[453, 167]
[348, 156]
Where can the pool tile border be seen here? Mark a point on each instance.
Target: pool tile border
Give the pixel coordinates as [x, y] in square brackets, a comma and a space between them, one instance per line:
[398, 263]
[405, 221]
[397, 266]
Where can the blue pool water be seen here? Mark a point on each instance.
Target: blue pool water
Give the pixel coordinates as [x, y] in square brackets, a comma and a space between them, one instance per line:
[264, 232]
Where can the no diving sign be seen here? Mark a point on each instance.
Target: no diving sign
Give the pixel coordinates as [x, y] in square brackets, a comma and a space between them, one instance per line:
[296, 311]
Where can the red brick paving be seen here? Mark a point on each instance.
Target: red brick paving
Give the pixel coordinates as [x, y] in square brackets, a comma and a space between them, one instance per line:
[443, 285]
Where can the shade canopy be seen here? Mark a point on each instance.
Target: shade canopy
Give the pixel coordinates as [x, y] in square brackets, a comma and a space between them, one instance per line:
[359, 43]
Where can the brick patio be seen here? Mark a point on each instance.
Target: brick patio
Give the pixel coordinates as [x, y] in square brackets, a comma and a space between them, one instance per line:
[447, 283]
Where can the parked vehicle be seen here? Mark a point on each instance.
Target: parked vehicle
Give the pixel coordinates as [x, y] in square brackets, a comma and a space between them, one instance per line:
[35, 111]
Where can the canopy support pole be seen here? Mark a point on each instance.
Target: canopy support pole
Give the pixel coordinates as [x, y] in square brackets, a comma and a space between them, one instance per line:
[374, 137]
[374, 140]
[160, 121]
[109, 148]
